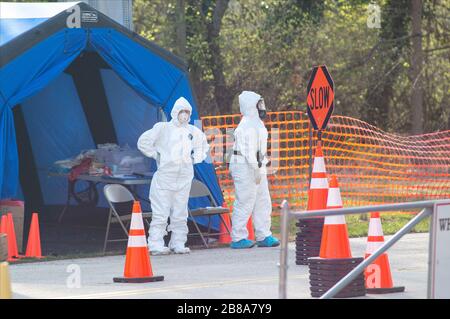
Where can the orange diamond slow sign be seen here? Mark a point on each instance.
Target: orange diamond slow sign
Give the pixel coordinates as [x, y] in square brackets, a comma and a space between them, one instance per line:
[320, 97]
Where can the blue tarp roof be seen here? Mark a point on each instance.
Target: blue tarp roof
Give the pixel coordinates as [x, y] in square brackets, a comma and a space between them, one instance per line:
[137, 78]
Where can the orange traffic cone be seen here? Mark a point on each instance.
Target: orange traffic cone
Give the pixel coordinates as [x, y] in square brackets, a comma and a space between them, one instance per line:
[378, 274]
[224, 237]
[12, 239]
[310, 230]
[4, 230]
[251, 231]
[34, 239]
[138, 268]
[318, 188]
[335, 243]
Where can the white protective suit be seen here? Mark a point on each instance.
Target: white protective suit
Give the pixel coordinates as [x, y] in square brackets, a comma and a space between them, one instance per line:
[250, 181]
[175, 147]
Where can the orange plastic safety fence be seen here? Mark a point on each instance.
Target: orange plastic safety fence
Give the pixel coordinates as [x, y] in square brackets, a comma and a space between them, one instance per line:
[372, 166]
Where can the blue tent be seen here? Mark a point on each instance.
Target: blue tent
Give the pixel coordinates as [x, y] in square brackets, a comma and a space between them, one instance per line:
[72, 78]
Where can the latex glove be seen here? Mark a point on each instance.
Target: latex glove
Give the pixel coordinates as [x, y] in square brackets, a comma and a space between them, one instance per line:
[257, 176]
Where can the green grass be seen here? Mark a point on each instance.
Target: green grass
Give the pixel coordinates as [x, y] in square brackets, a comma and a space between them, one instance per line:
[358, 225]
[276, 228]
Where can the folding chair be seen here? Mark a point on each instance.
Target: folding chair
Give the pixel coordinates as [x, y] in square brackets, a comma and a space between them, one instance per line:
[198, 189]
[120, 202]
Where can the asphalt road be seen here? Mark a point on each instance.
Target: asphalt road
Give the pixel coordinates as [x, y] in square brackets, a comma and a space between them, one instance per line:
[220, 273]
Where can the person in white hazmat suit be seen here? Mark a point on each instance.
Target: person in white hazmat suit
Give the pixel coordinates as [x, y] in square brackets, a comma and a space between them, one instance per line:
[248, 169]
[176, 146]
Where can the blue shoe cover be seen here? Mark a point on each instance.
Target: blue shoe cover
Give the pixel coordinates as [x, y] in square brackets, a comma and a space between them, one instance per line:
[269, 241]
[243, 243]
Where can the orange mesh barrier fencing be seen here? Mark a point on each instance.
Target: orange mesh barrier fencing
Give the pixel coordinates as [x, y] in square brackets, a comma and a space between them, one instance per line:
[372, 166]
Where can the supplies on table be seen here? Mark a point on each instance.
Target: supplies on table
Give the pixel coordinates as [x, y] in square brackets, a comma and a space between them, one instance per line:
[67, 165]
[104, 153]
[107, 159]
[63, 166]
[127, 161]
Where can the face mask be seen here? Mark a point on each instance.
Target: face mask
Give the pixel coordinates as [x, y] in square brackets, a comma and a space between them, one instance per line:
[261, 106]
[183, 117]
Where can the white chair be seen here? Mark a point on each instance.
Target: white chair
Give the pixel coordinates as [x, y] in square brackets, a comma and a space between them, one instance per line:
[198, 189]
[120, 202]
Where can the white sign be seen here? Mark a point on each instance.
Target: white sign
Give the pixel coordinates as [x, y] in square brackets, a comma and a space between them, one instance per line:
[440, 253]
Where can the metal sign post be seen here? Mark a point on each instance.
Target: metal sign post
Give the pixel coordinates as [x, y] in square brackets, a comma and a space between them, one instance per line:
[439, 268]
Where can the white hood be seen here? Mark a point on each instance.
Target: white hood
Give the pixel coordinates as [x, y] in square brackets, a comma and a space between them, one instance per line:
[180, 104]
[247, 103]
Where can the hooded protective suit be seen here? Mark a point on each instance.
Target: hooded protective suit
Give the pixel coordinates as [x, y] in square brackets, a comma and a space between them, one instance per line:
[176, 147]
[250, 179]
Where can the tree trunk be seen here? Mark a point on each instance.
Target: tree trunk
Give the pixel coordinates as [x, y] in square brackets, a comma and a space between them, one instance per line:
[417, 111]
[181, 29]
[445, 108]
[379, 97]
[223, 94]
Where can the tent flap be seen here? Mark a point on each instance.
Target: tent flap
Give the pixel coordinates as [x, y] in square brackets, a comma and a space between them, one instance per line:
[9, 164]
[22, 78]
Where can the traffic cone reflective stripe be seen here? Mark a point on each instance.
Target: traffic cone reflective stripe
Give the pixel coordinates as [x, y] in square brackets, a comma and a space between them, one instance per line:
[136, 241]
[335, 220]
[334, 200]
[319, 183]
[137, 222]
[137, 261]
[34, 239]
[318, 187]
[319, 161]
[378, 274]
[375, 229]
[335, 243]
[136, 238]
